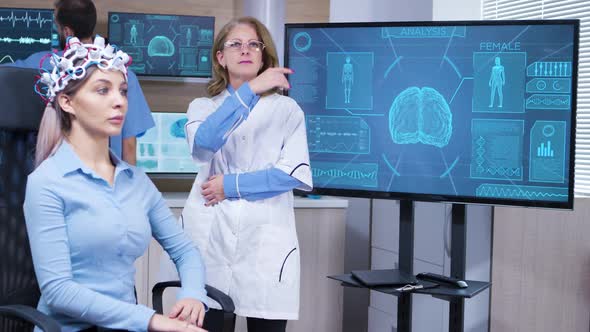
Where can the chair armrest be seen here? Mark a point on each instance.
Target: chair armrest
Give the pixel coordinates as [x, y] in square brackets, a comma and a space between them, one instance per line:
[30, 315]
[226, 303]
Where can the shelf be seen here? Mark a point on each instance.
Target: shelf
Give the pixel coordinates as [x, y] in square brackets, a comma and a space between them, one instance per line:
[443, 292]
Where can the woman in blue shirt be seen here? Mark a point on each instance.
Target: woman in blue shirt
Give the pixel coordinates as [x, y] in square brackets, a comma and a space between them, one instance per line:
[90, 215]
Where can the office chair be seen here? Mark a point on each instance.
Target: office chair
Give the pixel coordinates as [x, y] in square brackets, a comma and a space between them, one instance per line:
[20, 115]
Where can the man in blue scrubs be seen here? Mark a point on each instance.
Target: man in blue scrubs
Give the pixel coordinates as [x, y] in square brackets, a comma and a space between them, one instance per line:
[78, 18]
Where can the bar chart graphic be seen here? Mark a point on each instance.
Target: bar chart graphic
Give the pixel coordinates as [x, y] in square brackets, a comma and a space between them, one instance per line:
[544, 150]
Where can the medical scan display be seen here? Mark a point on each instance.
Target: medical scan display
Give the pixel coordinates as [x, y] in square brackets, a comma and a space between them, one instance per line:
[24, 32]
[163, 148]
[164, 45]
[466, 113]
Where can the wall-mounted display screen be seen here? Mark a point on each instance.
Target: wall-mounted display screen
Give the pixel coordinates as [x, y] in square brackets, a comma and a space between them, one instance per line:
[164, 45]
[164, 149]
[25, 31]
[479, 112]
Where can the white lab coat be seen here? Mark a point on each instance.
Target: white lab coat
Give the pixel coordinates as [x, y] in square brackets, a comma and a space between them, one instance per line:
[250, 248]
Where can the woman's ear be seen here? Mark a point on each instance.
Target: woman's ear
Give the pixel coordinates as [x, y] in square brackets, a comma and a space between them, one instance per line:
[220, 58]
[65, 103]
[68, 32]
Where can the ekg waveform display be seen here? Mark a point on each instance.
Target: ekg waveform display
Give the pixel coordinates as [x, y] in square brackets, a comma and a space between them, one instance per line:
[24, 32]
[472, 112]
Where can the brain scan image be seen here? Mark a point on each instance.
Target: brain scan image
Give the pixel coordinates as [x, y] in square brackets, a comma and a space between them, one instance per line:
[420, 116]
[160, 46]
[177, 128]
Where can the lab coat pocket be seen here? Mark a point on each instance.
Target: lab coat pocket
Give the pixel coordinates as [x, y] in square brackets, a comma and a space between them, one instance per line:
[278, 256]
[289, 267]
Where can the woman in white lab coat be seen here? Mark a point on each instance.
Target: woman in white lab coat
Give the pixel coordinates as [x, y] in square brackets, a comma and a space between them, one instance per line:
[251, 145]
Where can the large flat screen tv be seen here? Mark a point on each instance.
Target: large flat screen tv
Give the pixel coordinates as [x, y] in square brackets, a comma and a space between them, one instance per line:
[473, 112]
[164, 45]
[24, 31]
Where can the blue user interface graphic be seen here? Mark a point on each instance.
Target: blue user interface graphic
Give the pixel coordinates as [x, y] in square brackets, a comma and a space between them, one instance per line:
[164, 45]
[24, 32]
[476, 111]
[163, 149]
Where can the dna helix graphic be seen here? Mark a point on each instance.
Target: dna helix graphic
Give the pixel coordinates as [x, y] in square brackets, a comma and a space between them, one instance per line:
[339, 173]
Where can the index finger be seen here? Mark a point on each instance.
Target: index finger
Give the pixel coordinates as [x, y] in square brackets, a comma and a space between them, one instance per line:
[284, 70]
[175, 310]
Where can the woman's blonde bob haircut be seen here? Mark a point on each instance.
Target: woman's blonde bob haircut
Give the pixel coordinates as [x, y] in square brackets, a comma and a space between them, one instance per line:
[270, 59]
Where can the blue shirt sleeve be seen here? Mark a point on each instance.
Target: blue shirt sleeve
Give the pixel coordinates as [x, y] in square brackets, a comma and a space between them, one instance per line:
[179, 247]
[50, 249]
[213, 132]
[139, 116]
[259, 184]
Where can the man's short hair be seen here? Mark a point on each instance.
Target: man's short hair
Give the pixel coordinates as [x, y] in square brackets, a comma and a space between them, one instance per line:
[78, 15]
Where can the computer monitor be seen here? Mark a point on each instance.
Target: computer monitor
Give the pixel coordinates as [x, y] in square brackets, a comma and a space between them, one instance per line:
[164, 45]
[24, 31]
[163, 150]
[474, 112]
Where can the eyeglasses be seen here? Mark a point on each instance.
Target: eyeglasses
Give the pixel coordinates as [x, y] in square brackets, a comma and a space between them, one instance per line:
[237, 45]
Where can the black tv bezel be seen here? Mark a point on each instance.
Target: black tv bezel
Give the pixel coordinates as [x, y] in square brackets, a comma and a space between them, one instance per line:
[160, 14]
[568, 205]
[52, 10]
[161, 175]
[32, 8]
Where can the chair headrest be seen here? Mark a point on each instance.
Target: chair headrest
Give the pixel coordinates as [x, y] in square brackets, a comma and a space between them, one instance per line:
[20, 107]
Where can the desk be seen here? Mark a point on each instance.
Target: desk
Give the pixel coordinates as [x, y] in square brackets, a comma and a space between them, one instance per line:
[321, 225]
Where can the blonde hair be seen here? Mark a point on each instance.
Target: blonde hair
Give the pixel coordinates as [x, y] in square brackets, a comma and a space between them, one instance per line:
[270, 58]
[55, 123]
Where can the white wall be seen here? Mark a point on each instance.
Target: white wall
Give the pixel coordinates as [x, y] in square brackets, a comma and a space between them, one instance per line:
[272, 14]
[456, 10]
[404, 10]
[380, 10]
